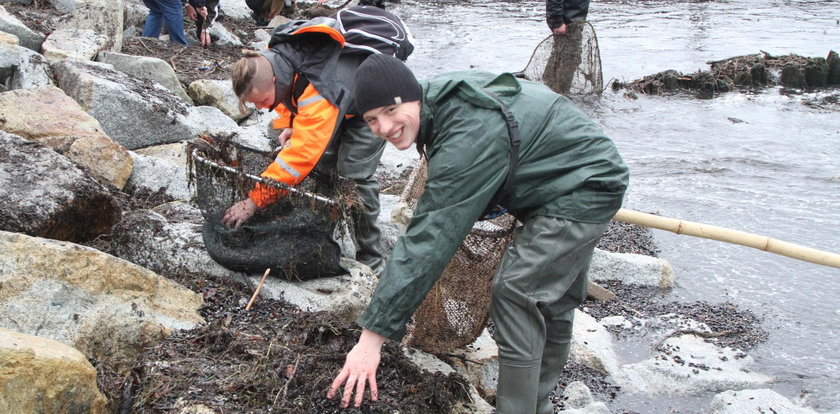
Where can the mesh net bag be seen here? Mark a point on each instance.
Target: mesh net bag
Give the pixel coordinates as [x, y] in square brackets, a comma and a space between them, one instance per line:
[458, 306]
[293, 236]
[569, 64]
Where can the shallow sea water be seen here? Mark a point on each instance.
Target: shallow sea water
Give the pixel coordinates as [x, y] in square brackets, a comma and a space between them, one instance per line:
[758, 162]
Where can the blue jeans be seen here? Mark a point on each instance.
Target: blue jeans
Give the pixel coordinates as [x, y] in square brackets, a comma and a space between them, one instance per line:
[172, 14]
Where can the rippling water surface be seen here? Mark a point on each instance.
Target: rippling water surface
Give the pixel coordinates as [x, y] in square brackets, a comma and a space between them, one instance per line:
[757, 162]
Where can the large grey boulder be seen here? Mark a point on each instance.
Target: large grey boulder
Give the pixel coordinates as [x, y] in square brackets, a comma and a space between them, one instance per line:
[28, 38]
[135, 13]
[79, 44]
[236, 9]
[50, 117]
[45, 194]
[345, 295]
[106, 307]
[21, 68]
[40, 375]
[63, 6]
[167, 240]
[225, 37]
[217, 93]
[103, 16]
[159, 174]
[136, 113]
[144, 67]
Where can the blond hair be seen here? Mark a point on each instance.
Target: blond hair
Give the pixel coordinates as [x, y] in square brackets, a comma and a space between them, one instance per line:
[244, 75]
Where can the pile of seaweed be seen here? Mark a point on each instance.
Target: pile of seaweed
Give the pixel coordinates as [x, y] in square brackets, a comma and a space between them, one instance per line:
[271, 358]
[749, 71]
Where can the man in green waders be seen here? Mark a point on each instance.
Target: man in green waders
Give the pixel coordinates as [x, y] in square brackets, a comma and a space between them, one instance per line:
[568, 182]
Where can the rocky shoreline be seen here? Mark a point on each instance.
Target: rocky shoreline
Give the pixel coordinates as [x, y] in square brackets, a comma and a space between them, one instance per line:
[109, 301]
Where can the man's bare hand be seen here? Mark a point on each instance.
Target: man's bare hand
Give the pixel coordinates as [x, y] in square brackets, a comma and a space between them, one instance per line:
[205, 38]
[284, 136]
[560, 30]
[239, 213]
[359, 370]
[189, 11]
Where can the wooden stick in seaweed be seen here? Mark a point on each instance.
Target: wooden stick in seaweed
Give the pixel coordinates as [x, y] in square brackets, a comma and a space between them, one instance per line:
[257, 290]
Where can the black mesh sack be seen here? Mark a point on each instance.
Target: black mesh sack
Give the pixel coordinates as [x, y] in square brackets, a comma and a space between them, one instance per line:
[293, 236]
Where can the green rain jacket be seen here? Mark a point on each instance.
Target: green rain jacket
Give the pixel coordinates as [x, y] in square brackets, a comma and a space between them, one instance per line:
[567, 169]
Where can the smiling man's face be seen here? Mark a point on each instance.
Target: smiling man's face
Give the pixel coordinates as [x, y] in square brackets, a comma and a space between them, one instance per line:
[398, 124]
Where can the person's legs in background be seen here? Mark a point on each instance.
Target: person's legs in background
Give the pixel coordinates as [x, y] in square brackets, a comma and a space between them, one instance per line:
[172, 14]
[173, 18]
[154, 19]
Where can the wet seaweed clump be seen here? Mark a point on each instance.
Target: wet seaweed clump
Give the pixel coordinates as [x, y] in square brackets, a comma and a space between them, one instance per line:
[271, 358]
[601, 386]
[744, 72]
[623, 237]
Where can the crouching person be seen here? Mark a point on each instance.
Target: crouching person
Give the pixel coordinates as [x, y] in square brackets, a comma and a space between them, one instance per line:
[567, 183]
[307, 80]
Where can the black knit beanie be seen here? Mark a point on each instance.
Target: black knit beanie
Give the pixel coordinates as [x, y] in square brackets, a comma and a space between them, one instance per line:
[383, 80]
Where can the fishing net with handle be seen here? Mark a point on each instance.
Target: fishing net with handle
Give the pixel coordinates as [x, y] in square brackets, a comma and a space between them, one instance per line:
[569, 64]
[293, 236]
[457, 308]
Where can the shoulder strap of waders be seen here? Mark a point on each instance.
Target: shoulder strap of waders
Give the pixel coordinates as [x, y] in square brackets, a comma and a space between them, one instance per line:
[498, 204]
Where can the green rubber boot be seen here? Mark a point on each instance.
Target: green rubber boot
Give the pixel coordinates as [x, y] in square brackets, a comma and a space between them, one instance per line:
[516, 392]
[554, 359]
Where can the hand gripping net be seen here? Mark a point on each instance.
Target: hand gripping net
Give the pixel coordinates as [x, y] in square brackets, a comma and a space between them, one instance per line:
[293, 235]
[569, 64]
[458, 306]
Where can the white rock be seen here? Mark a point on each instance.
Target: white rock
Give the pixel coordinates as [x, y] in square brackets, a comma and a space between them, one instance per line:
[157, 173]
[479, 364]
[225, 37]
[103, 16]
[632, 269]
[579, 400]
[754, 401]
[145, 67]
[592, 345]
[78, 44]
[235, 8]
[346, 295]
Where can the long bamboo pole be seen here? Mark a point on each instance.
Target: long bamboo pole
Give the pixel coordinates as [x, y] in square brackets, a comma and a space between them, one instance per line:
[730, 236]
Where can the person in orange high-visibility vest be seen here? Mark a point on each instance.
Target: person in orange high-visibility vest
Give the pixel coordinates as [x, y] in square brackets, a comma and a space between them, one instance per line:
[307, 81]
